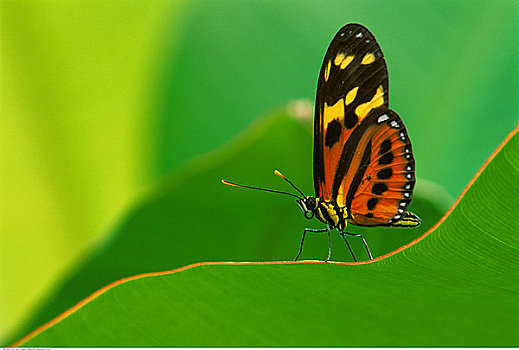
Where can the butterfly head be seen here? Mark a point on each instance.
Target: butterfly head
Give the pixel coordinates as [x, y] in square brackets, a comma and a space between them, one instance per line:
[308, 206]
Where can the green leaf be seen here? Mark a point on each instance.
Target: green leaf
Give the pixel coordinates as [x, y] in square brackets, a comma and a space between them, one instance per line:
[191, 217]
[456, 286]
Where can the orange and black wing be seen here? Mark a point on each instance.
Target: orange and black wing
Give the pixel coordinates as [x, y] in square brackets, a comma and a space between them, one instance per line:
[376, 176]
[362, 154]
[353, 81]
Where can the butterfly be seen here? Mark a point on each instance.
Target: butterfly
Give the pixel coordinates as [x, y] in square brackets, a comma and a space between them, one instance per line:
[363, 164]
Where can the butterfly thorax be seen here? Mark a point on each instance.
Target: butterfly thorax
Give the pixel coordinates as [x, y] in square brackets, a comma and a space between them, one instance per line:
[327, 212]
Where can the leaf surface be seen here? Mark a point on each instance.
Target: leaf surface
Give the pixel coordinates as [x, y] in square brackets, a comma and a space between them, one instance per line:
[456, 286]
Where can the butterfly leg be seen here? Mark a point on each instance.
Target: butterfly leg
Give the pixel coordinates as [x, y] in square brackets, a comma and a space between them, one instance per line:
[363, 240]
[351, 251]
[329, 245]
[303, 239]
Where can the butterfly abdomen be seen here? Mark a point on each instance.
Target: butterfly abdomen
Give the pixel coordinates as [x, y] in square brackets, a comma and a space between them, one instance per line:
[408, 220]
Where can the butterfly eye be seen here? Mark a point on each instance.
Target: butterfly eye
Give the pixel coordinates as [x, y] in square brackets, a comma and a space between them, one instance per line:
[310, 203]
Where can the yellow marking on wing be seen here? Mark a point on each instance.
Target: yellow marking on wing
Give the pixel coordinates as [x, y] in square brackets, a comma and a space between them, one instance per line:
[368, 58]
[346, 61]
[341, 199]
[333, 112]
[338, 59]
[350, 96]
[327, 70]
[378, 100]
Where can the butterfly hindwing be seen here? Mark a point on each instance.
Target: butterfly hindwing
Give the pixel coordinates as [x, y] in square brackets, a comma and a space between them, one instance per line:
[381, 195]
[352, 82]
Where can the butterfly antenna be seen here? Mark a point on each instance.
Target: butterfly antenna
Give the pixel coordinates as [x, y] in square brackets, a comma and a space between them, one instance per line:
[225, 182]
[290, 182]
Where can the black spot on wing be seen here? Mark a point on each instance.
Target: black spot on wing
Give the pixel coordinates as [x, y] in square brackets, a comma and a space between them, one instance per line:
[386, 159]
[379, 188]
[333, 133]
[350, 120]
[371, 203]
[385, 146]
[384, 174]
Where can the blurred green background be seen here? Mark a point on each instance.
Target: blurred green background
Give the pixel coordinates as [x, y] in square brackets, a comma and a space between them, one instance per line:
[103, 102]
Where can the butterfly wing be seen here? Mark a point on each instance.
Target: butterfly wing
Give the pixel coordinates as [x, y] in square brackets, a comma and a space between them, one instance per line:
[362, 154]
[379, 188]
[353, 80]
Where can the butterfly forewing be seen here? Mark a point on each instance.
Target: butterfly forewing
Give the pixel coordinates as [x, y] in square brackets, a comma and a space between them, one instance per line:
[352, 82]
